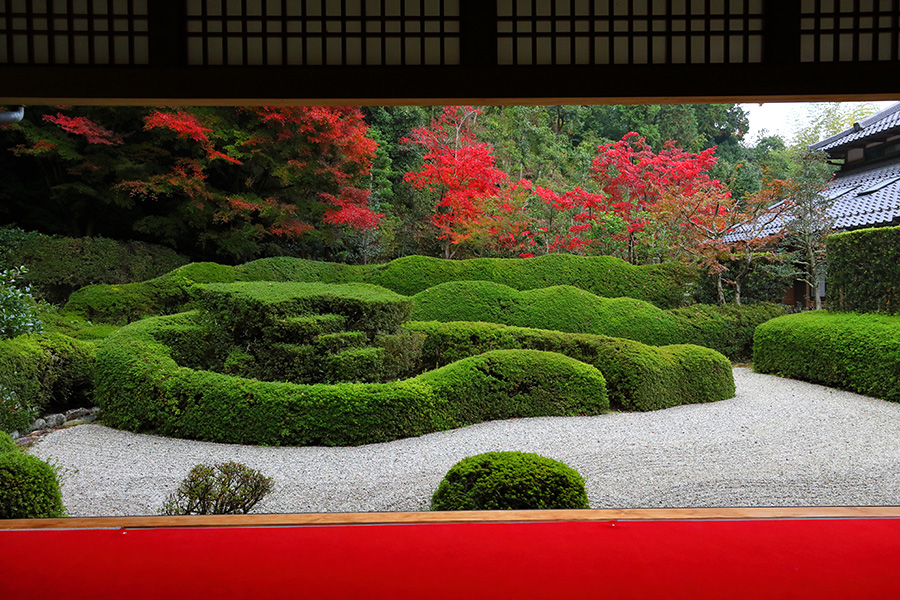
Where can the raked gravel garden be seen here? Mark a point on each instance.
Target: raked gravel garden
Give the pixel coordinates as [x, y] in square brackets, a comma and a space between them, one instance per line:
[778, 442]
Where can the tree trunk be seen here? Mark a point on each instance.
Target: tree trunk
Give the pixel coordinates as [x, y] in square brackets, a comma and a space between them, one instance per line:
[737, 292]
[719, 289]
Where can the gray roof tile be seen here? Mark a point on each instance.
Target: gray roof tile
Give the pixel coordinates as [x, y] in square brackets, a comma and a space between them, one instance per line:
[879, 123]
[881, 207]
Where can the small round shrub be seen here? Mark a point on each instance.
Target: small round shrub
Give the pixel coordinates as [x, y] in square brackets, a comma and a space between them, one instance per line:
[509, 481]
[227, 488]
[7, 444]
[29, 488]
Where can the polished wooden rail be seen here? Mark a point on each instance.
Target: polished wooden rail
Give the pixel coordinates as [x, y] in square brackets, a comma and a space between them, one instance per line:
[512, 516]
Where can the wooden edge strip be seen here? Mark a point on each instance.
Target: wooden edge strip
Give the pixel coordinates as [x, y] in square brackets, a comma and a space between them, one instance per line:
[512, 516]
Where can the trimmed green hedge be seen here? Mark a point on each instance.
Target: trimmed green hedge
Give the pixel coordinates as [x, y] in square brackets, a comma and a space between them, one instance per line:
[169, 293]
[727, 329]
[46, 370]
[864, 270]
[510, 481]
[29, 488]
[7, 444]
[638, 377]
[57, 265]
[251, 310]
[661, 285]
[141, 388]
[856, 352]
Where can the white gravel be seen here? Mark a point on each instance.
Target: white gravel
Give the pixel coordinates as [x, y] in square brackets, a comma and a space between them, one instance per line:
[779, 442]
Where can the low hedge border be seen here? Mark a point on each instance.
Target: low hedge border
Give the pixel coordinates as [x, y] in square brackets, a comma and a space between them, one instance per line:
[850, 351]
[727, 329]
[141, 388]
[662, 285]
[638, 377]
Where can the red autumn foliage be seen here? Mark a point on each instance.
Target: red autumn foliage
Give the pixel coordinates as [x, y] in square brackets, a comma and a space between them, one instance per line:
[93, 133]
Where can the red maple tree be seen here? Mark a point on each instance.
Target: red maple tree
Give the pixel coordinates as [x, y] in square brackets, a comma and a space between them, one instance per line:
[634, 177]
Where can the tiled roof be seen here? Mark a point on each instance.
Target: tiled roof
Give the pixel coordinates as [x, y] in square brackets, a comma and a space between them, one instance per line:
[858, 203]
[877, 124]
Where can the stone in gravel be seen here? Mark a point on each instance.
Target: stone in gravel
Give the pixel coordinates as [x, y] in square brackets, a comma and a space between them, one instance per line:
[15, 435]
[75, 422]
[94, 410]
[38, 424]
[55, 420]
[76, 413]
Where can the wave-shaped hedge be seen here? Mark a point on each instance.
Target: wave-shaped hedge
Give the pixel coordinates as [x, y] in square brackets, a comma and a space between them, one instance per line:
[565, 308]
[140, 387]
[851, 351]
[638, 376]
[662, 285]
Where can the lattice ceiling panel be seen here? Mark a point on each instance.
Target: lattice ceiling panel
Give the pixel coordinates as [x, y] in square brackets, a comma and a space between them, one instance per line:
[79, 32]
[323, 32]
[849, 30]
[603, 32]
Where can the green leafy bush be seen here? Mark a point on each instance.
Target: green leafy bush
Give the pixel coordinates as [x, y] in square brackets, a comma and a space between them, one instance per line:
[638, 377]
[7, 444]
[29, 488]
[14, 416]
[727, 329]
[864, 270]
[510, 481]
[252, 310]
[851, 351]
[43, 370]
[166, 294]
[140, 387]
[59, 265]
[18, 311]
[662, 285]
[227, 488]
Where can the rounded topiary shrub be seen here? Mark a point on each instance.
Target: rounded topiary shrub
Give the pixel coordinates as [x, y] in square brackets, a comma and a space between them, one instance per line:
[509, 481]
[29, 488]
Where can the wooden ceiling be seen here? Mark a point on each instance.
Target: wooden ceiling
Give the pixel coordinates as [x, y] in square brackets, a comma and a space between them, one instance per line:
[446, 51]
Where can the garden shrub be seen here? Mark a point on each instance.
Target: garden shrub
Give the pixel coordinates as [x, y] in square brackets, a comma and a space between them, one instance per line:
[727, 329]
[18, 311]
[57, 265]
[663, 285]
[141, 388]
[7, 444]
[43, 371]
[850, 351]
[29, 488]
[510, 481]
[638, 377]
[169, 293]
[251, 310]
[864, 270]
[228, 488]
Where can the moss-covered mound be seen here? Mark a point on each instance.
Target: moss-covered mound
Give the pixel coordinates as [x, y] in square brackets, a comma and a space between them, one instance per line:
[661, 285]
[510, 481]
[856, 352]
[638, 377]
[141, 387]
[728, 329]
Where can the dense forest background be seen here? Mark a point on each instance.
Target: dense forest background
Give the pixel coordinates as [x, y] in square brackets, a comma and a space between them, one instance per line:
[372, 184]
